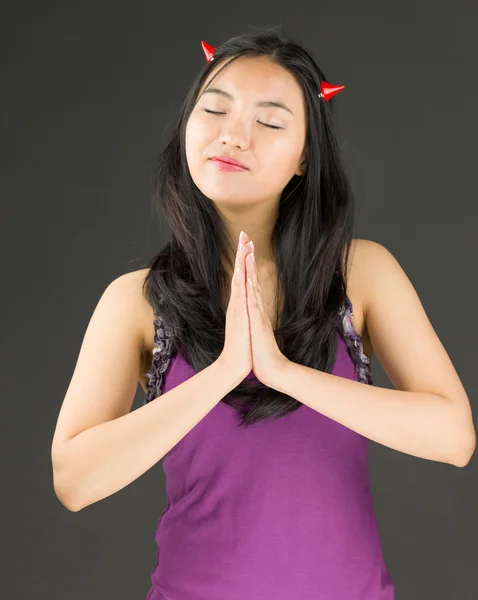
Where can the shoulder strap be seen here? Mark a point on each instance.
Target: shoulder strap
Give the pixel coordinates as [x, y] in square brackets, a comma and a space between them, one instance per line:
[163, 347]
[354, 343]
[160, 361]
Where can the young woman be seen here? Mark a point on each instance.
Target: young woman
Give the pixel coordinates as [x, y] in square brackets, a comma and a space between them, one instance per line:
[255, 393]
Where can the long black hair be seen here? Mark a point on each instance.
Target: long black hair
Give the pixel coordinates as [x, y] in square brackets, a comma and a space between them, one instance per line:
[310, 243]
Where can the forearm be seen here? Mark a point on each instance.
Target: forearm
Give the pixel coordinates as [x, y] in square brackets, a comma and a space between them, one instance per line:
[104, 459]
[417, 423]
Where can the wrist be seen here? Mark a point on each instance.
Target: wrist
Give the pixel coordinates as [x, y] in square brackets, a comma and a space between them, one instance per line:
[225, 371]
[282, 375]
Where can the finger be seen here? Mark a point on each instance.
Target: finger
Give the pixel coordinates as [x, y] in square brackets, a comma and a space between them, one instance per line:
[251, 289]
[240, 254]
[238, 277]
[252, 275]
[237, 261]
[239, 272]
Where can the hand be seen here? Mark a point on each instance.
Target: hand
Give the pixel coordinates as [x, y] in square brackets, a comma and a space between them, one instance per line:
[267, 359]
[236, 355]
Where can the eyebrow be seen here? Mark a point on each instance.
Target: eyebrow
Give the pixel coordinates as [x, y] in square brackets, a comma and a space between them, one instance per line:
[229, 96]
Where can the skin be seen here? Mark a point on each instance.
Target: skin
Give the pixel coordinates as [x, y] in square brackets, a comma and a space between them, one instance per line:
[248, 200]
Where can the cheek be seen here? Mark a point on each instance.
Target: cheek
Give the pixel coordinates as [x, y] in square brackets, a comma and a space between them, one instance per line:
[281, 156]
[192, 137]
[197, 144]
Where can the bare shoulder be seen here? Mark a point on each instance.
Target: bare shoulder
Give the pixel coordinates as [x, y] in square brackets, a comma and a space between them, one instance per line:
[370, 264]
[145, 315]
[360, 255]
[405, 342]
[110, 356]
[144, 311]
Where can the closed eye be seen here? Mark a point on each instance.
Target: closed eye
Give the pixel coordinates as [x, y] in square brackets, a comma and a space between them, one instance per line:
[212, 112]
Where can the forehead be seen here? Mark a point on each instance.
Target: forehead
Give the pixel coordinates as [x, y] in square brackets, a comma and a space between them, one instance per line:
[258, 78]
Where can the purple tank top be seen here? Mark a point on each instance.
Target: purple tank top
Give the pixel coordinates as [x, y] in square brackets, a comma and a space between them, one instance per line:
[279, 511]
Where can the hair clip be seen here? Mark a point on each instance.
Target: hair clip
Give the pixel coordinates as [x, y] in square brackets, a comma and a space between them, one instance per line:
[327, 90]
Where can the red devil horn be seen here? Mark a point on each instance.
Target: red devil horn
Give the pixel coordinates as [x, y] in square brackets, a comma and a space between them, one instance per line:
[329, 90]
[208, 50]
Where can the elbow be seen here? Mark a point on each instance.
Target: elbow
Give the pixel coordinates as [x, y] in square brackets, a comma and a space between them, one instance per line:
[464, 460]
[464, 436]
[467, 449]
[64, 495]
[66, 501]
[71, 507]
[462, 463]
[62, 479]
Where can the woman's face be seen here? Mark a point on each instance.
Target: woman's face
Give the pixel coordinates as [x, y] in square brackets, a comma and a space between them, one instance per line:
[241, 131]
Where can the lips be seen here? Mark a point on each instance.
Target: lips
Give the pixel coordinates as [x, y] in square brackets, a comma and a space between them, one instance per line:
[228, 160]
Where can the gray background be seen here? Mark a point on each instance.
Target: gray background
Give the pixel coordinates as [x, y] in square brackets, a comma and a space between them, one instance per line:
[87, 90]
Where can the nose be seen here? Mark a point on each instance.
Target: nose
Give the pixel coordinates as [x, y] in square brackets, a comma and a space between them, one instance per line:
[233, 134]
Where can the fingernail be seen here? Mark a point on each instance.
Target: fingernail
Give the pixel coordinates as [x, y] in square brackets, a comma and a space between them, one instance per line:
[240, 236]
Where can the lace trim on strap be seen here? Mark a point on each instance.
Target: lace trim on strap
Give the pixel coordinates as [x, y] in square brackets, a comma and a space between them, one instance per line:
[163, 343]
[160, 361]
[354, 343]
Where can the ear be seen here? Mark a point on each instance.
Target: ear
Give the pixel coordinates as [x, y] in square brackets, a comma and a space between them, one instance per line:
[301, 168]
